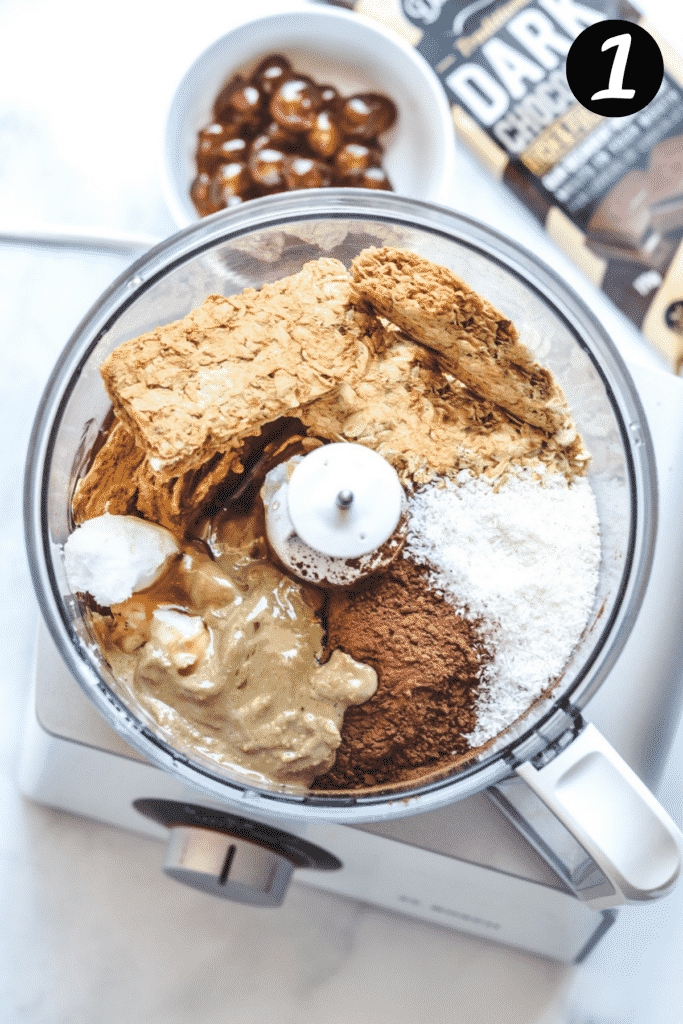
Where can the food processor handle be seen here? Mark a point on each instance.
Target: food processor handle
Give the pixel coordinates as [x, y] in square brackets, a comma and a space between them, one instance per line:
[61, 236]
[614, 817]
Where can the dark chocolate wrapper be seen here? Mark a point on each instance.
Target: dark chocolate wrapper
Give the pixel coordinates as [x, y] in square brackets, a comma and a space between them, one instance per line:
[609, 191]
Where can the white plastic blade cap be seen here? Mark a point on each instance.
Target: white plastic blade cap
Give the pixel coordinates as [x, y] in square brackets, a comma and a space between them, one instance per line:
[319, 505]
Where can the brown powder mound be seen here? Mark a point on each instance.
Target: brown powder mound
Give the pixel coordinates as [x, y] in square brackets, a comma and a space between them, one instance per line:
[196, 387]
[480, 346]
[427, 659]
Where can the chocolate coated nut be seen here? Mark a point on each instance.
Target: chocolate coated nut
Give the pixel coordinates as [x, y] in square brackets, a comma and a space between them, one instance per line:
[240, 103]
[222, 110]
[304, 172]
[365, 115]
[260, 141]
[230, 180]
[330, 97]
[278, 137]
[209, 142]
[295, 104]
[266, 167]
[271, 72]
[374, 177]
[246, 102]
[356, 156]
[279, 130]
[281, 138]
[199, 194]
[232, 150]
[324, 137]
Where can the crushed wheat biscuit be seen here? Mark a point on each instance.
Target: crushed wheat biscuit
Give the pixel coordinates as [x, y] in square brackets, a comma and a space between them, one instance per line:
[427, 424]
[110, 485]
[120, 481]
[477, 344]
[196, 387]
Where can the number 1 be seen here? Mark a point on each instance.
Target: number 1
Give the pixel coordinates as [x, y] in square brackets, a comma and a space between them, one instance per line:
[615, 87]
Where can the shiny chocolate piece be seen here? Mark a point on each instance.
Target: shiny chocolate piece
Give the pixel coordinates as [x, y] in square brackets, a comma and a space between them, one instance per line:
[295, 104]
[261, 141]
[240, 103]
[330, 97]
[246, 103]
[232, 150]
[230, 181]
[281, 138]
[279, 130]
[275, 135]
[209, 141]
[199, 194]
[374, 177]
[267, 167]
[324, 137]
[353, 157]
[304, 172]
[271, 72]
[238, 200]
[222, 107]
[365, 115]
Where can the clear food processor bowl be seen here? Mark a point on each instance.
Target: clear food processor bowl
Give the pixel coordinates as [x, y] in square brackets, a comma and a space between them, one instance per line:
[263, 241]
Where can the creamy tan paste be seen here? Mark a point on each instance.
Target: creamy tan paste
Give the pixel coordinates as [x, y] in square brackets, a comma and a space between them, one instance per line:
[225, 656]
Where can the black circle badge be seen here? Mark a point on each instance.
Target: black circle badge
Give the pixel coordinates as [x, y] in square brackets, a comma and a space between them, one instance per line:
[614, 68]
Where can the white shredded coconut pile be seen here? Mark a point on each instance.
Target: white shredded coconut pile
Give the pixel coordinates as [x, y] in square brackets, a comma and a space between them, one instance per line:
[525, 560]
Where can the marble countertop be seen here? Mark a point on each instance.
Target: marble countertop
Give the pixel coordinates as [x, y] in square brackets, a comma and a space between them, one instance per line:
[91, 931]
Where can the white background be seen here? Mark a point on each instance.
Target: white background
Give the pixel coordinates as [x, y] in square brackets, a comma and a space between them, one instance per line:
[90, 931]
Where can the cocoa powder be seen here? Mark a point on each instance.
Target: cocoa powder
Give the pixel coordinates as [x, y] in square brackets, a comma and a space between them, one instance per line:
[428, 659]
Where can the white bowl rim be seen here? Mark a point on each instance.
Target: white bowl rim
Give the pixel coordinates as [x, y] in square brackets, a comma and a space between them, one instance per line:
[179, 208]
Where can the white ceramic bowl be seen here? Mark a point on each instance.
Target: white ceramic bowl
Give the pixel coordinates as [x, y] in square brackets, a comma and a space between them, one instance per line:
[332, 46]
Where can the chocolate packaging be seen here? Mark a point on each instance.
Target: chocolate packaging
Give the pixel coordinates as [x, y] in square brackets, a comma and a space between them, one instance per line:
[608, 190]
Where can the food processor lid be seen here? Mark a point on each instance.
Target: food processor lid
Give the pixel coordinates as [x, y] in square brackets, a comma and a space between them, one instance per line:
[264, 240]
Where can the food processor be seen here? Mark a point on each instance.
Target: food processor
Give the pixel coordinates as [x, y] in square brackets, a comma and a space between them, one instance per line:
[552, 774]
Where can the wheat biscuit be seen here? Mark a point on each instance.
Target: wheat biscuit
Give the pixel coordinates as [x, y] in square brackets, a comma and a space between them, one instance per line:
[476, 343]
[120, 481]
[198, 386]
